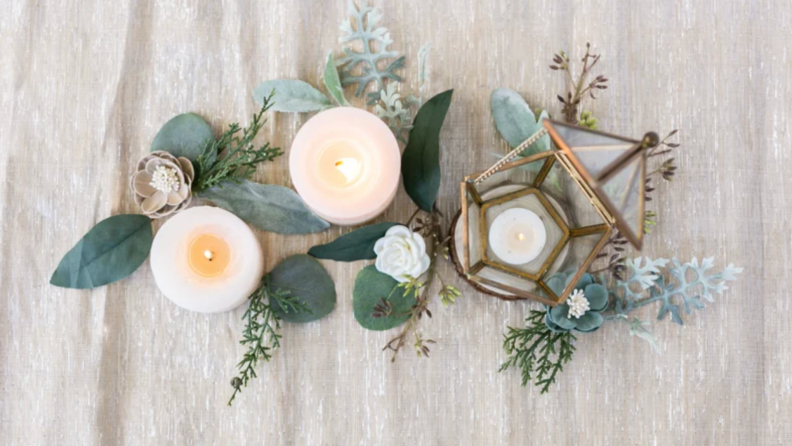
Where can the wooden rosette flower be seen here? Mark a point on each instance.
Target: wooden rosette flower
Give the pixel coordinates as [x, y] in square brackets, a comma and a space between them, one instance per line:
[162, 184]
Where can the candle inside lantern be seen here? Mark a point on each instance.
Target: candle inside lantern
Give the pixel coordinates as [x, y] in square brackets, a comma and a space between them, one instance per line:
[345, 164]
[206, 259]
[517, 236]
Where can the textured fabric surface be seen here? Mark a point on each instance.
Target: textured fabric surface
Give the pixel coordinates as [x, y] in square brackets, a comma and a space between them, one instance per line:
[85, 85]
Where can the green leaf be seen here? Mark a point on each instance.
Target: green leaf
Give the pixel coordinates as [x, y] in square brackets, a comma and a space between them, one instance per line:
[371, 286]
[421, 158]
[185, 135]
[304, 278]
[110, 251]
[292, 96]
[356, 245]
[513, 117]
[332, 82]
[266, 206]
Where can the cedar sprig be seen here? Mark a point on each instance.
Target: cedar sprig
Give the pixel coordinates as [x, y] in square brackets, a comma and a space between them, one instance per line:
[260, 333]
[232, 157]
[577, 89]
[538, 352]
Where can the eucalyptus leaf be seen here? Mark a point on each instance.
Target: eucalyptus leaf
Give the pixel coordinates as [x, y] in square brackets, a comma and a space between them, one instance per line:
[356, 245]
[513, 117]
[421, 158]
[185, 135]
[332, 81]
[370, 287]
[292, 96]
[110, 251]
[266, 206]
[304, 278]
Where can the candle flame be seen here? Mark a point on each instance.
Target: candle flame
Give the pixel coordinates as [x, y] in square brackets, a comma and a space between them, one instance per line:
[208, 254]
[349, 167]
[521, 237]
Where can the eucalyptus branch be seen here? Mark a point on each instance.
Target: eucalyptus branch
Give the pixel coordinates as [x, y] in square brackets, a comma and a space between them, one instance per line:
[539, 353]
[234, 158]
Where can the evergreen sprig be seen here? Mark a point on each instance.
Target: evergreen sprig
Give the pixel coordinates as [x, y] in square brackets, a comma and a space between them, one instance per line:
[234, 158]
[260, 333]
[538, 352]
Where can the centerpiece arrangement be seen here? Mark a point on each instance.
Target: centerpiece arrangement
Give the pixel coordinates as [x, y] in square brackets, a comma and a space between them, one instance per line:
[549, 221]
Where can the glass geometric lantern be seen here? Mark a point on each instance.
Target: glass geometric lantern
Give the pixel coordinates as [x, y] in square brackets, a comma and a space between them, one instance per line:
[531, 226]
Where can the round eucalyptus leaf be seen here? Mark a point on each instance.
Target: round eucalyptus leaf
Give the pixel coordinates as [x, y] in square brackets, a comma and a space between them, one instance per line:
[304, 278]
[184, 135]
[371, 286]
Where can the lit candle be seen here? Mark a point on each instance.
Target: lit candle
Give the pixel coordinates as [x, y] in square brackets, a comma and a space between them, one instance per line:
[345, 164]
[207, 260]
[517, 236]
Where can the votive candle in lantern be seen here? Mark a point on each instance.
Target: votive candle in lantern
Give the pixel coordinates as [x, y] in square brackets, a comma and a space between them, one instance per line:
[206, 259]
[517, 236]
[345, 164]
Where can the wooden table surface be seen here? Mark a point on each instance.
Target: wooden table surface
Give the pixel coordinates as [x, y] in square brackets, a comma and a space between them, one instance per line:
[85, 85]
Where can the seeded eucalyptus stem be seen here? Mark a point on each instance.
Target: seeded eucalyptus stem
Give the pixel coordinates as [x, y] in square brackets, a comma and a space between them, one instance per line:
[578, 88]
[431, 227]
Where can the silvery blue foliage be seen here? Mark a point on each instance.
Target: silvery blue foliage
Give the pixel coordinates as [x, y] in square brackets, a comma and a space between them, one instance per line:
[688, 286]
[367, 33]
[394, 113]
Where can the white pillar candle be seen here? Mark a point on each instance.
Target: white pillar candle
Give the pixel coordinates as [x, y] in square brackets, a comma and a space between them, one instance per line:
[517, 236]
[206, 259]
[345, 164]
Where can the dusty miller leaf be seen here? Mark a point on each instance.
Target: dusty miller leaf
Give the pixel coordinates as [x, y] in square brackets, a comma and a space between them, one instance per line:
[638, 328]
[332, 81]
[292, 96]
[394, 113]
[375, 41]
[646, 275]
[689, 284]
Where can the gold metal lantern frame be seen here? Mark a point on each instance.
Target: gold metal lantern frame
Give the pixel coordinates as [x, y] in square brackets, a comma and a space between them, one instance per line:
[583, 187]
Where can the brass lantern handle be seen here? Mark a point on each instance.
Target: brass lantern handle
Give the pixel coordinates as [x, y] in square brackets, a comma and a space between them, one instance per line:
[510, 156]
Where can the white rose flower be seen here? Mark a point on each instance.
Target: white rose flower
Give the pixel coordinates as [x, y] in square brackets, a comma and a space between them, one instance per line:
[401, 254]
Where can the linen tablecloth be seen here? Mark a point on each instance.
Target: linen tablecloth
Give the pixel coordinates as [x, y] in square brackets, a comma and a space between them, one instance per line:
[85, 85]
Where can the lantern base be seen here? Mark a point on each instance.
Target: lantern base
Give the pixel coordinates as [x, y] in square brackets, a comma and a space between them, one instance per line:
[461, 271]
